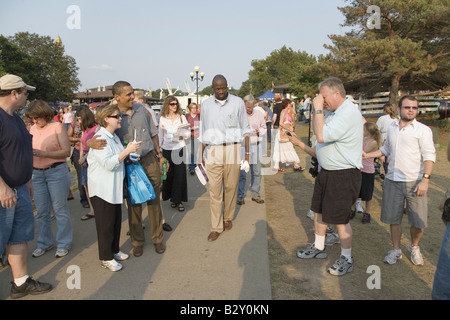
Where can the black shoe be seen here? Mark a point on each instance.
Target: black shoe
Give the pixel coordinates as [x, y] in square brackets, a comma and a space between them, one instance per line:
[352, 214]
[30, 286]
[240, 201]
[167, 227]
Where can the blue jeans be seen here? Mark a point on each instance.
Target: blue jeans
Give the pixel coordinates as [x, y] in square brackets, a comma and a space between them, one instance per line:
[441, 284]
[51, 188]
[193, 154]
[255, 172]
[17, 223]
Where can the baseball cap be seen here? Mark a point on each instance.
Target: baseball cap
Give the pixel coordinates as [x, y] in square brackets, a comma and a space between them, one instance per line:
[10, 82]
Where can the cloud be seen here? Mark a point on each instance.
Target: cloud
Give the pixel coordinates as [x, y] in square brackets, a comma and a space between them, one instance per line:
[101, 67]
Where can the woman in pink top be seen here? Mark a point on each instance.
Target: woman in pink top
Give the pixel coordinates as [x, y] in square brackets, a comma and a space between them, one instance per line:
[371, 142]
[88, 128]
[51, 179]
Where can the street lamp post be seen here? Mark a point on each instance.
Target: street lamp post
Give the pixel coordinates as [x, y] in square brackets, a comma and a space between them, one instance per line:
[196, 79]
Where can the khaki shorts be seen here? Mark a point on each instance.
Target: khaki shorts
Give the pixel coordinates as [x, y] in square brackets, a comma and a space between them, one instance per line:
[394, 196]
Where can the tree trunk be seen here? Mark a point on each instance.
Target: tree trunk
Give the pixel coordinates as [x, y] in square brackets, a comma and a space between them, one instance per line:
[393, 93]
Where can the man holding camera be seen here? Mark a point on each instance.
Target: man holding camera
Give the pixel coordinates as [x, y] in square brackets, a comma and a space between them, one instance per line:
[337, 186]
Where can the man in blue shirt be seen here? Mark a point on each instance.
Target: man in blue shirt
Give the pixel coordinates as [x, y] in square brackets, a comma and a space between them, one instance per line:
[16, 169]
[336, 188]
[223, 124]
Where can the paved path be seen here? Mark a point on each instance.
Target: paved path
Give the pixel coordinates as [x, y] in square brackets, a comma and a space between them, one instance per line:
[234, 267]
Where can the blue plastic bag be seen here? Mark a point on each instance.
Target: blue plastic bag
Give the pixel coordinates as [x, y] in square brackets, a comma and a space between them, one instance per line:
[139, 187]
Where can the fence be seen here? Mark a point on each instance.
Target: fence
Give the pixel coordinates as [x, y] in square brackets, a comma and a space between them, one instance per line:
[374, 106]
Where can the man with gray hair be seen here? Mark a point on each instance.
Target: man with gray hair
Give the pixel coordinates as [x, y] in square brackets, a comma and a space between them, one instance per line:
[258, 130]
[337, 186]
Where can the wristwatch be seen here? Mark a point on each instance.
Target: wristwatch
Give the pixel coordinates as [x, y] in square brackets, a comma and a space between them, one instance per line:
[319, 111]
[426, 176]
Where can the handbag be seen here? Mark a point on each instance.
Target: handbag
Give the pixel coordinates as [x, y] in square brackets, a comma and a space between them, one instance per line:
[283, 136]
[140, 189]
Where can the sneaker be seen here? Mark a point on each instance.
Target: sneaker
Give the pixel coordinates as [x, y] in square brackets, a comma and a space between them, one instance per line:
[312, 252]
[392, 256]
[341, 267]
[30, 286]
[416, 256]
[359, 208]
[332, 238]
[112, 265]
[365, 218]
[352, 214]
[310, 215]
[240, 201]
[39, 252]
[120, 256]
[61, 253]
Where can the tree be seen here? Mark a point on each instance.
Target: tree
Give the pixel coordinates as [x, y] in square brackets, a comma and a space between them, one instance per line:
[42, 63]
[280, 67]
[412, 43]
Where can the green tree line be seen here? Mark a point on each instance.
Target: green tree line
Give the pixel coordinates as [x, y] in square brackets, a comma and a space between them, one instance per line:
[408, 50]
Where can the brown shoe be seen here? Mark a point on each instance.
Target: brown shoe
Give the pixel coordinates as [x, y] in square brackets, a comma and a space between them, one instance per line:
[258, 199]
[228, 225]
[137, 251]
[159, 248]
[213, 236]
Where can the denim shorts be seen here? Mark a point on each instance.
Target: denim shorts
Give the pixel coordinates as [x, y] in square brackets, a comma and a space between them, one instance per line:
[17, 223]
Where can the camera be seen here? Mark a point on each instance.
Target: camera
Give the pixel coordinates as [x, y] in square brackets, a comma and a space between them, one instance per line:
[443, 109]
[314, 171]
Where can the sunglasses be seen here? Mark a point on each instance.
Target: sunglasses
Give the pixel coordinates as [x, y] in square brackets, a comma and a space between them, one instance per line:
[409, 108]
[116, 116]
[173, 103]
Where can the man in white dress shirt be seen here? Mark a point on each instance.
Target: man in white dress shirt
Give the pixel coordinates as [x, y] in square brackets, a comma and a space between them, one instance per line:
[410, 148]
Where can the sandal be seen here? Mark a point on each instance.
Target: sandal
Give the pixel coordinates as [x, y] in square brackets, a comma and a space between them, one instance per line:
[180, 207]
[173, 205]
[87, 217]
[299, 169]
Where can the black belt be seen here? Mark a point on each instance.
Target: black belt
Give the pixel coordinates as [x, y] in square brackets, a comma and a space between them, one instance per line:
[52, 166]
[229, 143]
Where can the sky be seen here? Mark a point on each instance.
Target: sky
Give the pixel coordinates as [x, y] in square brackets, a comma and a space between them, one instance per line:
[147, 42]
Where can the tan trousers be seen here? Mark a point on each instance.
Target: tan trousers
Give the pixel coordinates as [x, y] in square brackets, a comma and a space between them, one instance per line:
[150, 163]
[222, 168]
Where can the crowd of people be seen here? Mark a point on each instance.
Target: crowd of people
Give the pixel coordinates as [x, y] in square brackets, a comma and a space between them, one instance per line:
[226, 137]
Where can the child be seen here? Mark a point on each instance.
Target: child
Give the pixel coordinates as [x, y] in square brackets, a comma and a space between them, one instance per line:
[371, 142]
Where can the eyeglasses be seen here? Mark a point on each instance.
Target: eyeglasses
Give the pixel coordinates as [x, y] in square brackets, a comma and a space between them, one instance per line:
[116, 116]
[173, 103]
[409, 108]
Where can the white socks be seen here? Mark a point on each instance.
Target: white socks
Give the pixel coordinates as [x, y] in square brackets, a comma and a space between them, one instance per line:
[319, 242]
[20, 281]
[347, 253]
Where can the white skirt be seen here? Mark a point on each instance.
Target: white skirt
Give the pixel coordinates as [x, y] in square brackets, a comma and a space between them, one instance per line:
[283, 152]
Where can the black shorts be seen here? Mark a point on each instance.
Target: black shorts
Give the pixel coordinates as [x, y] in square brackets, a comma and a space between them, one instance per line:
[367, 183]
[334, 194]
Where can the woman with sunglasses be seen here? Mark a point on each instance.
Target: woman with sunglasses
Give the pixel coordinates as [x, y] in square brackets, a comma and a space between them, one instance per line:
[106, 172]
[171, 141]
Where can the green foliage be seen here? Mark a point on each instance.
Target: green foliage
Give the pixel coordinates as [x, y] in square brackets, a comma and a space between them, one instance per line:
[41, 63]
[412, 44]
[280, 67]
